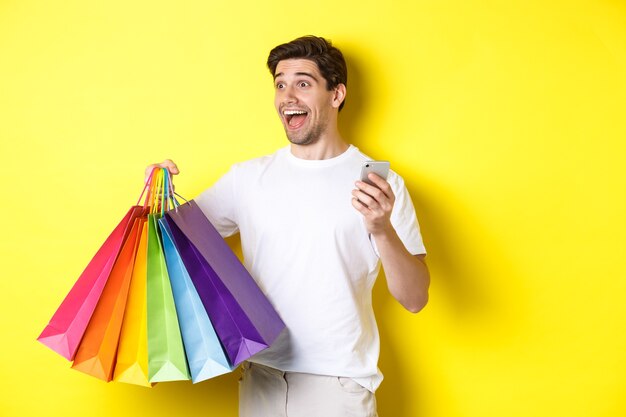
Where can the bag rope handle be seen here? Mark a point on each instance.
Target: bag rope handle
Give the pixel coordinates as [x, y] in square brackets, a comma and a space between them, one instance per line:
[159, 192]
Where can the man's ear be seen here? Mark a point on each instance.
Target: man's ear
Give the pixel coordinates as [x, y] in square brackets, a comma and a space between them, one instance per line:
[339, 95]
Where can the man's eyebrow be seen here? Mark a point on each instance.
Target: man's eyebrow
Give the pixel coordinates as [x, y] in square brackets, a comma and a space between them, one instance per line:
[307, 74]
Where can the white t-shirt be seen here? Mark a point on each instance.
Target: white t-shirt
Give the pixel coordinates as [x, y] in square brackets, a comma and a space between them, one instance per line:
[309, 251]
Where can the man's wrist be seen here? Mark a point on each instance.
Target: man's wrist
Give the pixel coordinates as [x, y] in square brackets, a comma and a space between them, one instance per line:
[387, 234]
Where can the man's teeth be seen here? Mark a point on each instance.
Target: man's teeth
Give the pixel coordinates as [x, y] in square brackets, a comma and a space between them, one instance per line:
[293, 112]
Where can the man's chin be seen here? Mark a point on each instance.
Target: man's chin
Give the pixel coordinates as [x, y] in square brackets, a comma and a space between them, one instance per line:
[300, 140]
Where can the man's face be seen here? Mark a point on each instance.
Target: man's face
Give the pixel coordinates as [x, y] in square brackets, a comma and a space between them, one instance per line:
[303, 103]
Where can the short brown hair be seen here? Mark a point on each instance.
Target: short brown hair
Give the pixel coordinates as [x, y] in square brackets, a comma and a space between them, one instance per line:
[328, 58]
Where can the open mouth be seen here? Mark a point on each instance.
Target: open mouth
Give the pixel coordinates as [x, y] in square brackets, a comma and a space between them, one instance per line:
[295, 118]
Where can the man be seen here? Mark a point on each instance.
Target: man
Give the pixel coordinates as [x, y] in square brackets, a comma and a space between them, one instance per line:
[313, 252]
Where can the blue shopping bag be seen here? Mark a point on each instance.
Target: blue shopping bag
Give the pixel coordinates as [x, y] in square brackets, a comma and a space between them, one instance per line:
[205, 355]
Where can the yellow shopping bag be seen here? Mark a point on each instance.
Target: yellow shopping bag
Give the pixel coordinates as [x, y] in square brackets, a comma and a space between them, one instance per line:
[132, 354]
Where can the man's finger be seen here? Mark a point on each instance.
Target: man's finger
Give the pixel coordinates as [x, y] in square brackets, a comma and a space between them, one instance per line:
[381, 183]
[171, 166]
[362, 208]
[167, 164]
[364, 198]
[149, 170]
[373, 191]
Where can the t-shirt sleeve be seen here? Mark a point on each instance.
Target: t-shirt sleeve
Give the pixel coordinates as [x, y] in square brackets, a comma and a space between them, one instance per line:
[219, 205]
[403, 217]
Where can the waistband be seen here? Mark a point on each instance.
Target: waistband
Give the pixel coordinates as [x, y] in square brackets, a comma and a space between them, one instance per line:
[273, 371]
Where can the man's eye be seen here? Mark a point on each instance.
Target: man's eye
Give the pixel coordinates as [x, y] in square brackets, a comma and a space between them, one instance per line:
[304, 84]
[280, 85]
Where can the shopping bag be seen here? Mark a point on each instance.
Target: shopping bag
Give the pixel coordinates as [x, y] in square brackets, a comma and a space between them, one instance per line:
[205, 355]
[166, 354]
[242, 316]
[67, 326]
[132, 354]
[97, 350]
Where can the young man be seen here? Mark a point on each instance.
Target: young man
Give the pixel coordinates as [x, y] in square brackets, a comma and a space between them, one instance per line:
[314, 238]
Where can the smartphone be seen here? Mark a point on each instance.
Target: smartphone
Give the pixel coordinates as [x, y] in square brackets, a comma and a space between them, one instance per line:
[380, 168]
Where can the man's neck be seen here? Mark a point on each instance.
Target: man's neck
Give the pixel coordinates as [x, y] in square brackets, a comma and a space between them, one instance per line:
[324, 148]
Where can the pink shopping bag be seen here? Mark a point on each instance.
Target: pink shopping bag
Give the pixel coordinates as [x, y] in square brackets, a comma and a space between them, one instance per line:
[67, 326]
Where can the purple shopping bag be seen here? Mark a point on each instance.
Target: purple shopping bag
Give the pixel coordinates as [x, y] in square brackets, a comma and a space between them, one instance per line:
[243, 317]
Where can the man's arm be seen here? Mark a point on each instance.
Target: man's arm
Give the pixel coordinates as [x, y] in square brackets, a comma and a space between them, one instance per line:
[407, 275]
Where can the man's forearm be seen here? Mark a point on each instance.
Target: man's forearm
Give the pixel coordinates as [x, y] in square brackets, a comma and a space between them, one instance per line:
[407, 275]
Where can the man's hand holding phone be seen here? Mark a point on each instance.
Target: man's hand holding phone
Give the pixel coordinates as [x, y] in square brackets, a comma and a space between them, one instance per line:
[374, 198]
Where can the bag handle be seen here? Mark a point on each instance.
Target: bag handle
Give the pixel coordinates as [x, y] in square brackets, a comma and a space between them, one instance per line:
[157, 193]
[146, 186]
[162, 195]
[170, 193]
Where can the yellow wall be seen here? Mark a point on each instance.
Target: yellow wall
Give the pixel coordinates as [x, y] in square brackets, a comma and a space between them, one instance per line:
[507, 119]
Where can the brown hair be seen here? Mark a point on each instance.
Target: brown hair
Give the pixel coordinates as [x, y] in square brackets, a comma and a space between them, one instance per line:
[328, 58]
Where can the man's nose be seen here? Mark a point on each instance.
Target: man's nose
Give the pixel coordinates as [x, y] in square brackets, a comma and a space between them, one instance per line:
[289, 95]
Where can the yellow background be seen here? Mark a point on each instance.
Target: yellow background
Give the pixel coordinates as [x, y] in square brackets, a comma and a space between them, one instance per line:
[506, 118]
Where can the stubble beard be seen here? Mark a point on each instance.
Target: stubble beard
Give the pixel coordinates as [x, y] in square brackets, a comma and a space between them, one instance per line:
[306, 138]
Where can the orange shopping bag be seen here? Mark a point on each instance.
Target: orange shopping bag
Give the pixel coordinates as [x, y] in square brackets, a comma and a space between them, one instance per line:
[97, 351]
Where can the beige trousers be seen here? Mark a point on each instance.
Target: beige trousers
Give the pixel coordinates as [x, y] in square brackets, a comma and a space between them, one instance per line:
[268, 392]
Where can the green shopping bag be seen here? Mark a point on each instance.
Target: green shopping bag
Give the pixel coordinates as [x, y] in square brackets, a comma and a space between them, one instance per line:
[166, 354]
